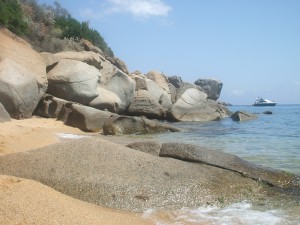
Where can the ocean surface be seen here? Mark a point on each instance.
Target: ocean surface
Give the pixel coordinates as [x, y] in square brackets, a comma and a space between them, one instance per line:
[271, 140]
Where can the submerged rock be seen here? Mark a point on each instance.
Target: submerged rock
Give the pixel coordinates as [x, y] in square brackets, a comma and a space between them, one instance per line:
[243, 116]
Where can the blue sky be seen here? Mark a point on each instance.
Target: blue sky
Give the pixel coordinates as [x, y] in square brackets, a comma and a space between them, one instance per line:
[252, 46]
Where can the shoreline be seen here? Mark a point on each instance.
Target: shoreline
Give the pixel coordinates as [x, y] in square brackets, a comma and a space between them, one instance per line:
[29, 134]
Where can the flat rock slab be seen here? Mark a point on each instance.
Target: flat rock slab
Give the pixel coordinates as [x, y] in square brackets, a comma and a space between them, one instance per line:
[114, 176]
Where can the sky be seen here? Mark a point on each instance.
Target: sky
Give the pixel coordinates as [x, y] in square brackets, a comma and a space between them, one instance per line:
[251, 46]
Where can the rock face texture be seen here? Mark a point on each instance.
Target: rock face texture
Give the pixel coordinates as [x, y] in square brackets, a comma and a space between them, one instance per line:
[193, 105]
[19, 91]
[16, 49]
[91, 58]
[73, 81]
[114, 176]
[4, 116]
[211, 87]
[243, 116]
[118, 125]
[122, 85]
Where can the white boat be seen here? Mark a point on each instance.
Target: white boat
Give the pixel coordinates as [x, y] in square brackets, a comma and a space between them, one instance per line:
[264, 102]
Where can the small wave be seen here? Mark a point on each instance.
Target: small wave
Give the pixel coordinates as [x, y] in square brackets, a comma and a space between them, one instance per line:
[70, 136]
[235, 214]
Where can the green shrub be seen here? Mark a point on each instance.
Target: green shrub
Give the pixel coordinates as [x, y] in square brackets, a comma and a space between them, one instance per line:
[11, 16]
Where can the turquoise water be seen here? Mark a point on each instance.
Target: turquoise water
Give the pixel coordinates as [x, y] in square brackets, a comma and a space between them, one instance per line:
[271, 140]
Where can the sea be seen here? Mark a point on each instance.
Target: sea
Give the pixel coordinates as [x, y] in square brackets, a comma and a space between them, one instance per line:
[272, 140]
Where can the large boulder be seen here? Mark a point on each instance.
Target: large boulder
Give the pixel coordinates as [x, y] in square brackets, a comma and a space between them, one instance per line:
[193, 105]
[114, 176]
[50, 106]
[160, 79]
[83, 117]
[73, 81]
[119, 125]
[123, 86]
[19, 91]
[150, 100]
[211, 87]
[106, 100]
[4, 116]
[118, 63]
[243, 116]
[90, 58]
[194, 153]
[16, 49]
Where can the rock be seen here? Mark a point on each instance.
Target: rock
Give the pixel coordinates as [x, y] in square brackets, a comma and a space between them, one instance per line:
[176, 81]
[106, 100]
[268, 112]
[149, 147]
[194, 153]
[50, 106]
[119, 125]
[88, 46]
[118, 63]
[211, 87]
[91, 58]
[160, 80]
[83, 117]
[193, 105]
[123, 86]
[50, 59]
[114, 176]
[73, 81]
[4, 116]
[150, 100]
[146, 106]
[243, 116]
[19, 91]
[16, 49]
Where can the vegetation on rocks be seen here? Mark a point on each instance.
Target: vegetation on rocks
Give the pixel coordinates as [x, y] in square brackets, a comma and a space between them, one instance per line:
[48, 28]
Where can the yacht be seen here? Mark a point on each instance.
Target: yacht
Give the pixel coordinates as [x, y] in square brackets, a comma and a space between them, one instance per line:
[264, 102]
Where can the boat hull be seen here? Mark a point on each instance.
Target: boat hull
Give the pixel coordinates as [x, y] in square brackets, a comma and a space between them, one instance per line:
[264, 104]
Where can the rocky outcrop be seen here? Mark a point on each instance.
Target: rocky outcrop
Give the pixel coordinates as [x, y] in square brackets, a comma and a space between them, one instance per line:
[50, 106]
[19, 91]
[118, 63]
[90, 58]
[16, 49]
[88, 46]
[152, 98]
[193, 105]
[119, 125]
[83, 117]
[73, 81]
[4, 116]
[211, 87]
[123, 86]
[150, 147]
[114, 176]
[194, 153]
[243, 116]
[106, 100]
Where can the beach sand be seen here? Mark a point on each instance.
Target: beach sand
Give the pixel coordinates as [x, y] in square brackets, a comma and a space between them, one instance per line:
[29, 202]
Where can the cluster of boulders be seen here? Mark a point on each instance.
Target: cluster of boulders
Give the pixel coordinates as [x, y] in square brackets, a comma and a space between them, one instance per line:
[89, 79]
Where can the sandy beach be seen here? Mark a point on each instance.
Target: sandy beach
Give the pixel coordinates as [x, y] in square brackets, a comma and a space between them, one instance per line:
[29, 202]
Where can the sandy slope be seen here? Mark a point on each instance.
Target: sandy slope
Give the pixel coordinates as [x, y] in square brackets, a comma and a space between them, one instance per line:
[23, 135]
[29, 202]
